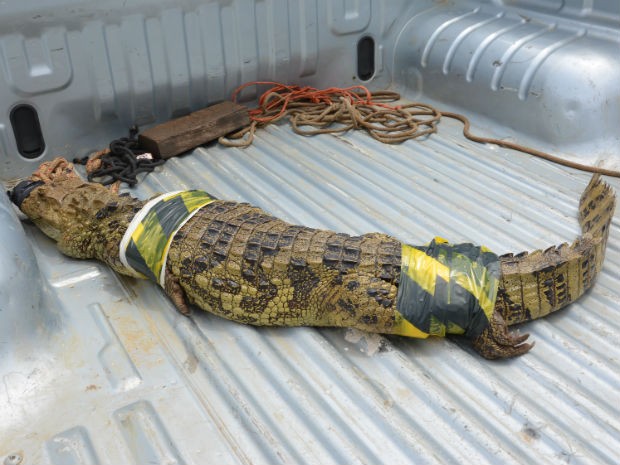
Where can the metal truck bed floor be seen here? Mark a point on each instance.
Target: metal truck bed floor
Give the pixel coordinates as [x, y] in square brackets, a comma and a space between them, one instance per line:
[104, 370]
[117, 376]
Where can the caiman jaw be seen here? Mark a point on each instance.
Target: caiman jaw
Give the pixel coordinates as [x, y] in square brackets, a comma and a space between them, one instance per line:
[55, 197]
[45, 174]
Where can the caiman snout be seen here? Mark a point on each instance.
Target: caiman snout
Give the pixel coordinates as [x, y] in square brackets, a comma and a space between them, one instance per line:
[58, 169]
[23, 190]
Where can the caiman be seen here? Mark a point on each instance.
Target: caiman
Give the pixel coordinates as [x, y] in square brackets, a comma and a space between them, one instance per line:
[239, 262]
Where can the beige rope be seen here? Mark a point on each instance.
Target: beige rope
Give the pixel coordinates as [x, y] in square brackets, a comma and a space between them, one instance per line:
[383, 120]
[388, 124]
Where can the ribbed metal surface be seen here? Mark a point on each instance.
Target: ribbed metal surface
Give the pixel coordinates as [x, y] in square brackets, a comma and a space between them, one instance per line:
[105, 371]
[149, 61]
[406, 401]
[162, 388]
[499, 62]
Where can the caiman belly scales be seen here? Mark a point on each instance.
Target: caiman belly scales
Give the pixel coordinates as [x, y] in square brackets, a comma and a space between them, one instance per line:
[241, 263]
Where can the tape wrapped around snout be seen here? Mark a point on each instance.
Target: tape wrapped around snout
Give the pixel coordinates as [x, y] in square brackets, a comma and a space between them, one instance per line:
[23, 190]
[446, 289]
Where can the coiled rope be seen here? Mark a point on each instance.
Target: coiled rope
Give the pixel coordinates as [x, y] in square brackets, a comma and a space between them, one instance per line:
[122, 161]
[334, 110]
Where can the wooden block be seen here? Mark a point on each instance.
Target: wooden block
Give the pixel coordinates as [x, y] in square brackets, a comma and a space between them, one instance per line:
[187, 132]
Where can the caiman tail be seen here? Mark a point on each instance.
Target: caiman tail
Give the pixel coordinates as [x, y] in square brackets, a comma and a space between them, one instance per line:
[538, 283]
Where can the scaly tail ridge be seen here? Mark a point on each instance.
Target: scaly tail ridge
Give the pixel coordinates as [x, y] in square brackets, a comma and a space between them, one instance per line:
[541, 282]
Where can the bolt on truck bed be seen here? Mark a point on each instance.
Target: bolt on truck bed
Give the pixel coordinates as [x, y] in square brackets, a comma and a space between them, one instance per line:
[100, 369]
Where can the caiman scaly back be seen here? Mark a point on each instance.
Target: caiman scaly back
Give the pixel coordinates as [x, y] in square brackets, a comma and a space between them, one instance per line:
[241, 263]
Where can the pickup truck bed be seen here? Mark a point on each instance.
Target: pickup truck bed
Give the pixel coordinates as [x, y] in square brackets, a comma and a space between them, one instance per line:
[100, 369]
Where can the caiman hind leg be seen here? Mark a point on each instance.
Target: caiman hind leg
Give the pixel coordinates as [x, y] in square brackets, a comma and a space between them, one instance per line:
[369, 303]
[497, 341]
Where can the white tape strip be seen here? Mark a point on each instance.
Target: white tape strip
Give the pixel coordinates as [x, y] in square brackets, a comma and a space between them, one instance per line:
[136, 220]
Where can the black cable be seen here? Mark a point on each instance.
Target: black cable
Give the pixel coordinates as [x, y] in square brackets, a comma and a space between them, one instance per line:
[123, 162]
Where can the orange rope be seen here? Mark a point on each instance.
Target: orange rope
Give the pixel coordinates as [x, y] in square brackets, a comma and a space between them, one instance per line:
[336, 110]
[294, 93]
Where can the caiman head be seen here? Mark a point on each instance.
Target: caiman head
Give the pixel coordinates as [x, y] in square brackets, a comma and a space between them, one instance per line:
[70, 210]
[55, 198]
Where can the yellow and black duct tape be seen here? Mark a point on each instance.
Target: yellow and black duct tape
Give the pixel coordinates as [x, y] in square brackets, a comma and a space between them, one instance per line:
[446, 289]
[144, 247]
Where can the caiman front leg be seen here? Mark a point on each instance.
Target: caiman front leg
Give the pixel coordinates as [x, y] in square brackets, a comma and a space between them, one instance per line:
[173, 289]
